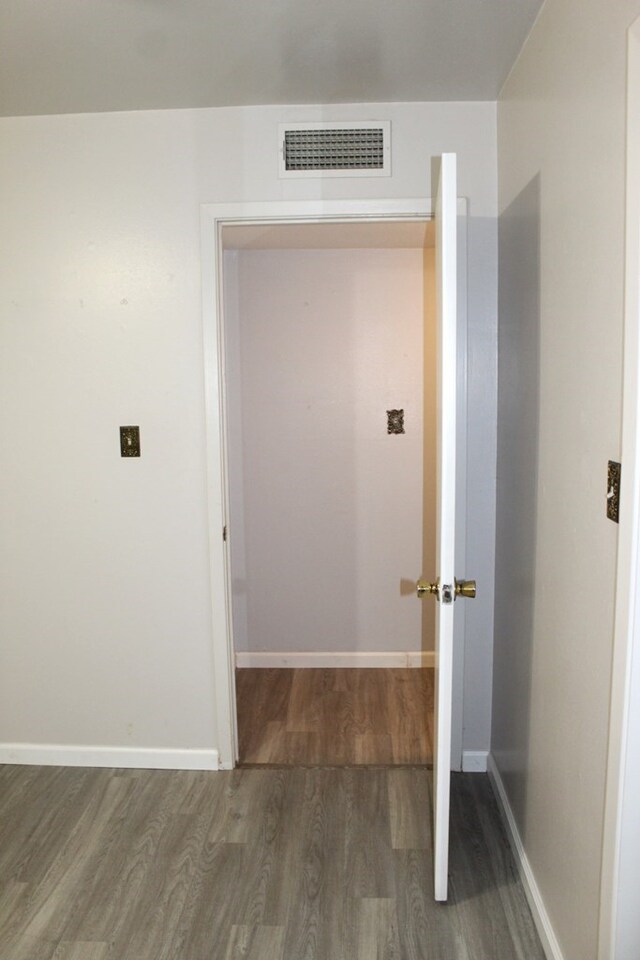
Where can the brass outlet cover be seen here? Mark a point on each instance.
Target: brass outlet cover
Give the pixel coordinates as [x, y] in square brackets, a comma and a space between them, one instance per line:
[613, 491]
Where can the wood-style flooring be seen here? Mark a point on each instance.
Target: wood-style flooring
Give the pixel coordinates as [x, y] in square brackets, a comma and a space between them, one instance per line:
[260, 864]
[335, 716]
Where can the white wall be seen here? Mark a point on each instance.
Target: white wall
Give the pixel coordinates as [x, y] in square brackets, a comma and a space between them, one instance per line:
[328, 503]
[561, 196]
[105, 621]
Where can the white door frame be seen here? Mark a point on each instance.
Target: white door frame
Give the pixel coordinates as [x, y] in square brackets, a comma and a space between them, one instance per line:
[619, 925]
[213, 218]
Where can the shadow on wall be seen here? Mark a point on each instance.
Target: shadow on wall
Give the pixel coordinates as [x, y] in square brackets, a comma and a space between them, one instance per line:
[517, 488]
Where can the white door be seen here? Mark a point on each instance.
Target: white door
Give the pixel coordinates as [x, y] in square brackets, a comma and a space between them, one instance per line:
[445, 588]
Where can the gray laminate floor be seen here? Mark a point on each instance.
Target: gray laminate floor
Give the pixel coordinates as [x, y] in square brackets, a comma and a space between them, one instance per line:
[275, 864]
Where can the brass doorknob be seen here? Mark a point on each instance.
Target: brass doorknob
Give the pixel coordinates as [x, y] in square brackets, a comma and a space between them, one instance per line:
[466, 588]
[423, 588]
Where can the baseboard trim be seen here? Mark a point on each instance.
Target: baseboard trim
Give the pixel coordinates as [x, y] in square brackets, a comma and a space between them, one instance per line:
[541, 919]
[474, 761]
[63, 755]
[355, 658]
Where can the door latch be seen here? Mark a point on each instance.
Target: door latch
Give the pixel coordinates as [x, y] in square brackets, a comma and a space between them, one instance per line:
[446, 593]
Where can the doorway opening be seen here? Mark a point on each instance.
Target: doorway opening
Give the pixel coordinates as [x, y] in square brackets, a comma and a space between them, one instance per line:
[329, 346]
[215, 219]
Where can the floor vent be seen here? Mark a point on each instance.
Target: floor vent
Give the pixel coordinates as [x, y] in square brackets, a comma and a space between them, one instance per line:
[355, 149]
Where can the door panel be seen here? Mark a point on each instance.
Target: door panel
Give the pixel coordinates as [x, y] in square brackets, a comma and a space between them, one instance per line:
[446, 323]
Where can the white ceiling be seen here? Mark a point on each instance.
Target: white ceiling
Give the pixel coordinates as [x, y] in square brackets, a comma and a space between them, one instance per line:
[70, 56]
[376, 235]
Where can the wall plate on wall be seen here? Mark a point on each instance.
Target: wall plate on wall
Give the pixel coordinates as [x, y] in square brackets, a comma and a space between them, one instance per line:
[613, 490]
[395, 421]
[129, 441]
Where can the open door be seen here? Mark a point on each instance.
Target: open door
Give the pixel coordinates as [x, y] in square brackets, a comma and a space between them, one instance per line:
[445, 588]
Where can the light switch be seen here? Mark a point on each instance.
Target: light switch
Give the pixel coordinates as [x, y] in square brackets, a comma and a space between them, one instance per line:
[129, 441]
[613, 490]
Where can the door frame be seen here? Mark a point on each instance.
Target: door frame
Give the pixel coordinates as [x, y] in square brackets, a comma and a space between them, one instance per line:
[214, 216]
[619, 923]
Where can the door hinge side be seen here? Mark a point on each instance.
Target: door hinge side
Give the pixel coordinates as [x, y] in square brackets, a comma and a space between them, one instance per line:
[224, 534]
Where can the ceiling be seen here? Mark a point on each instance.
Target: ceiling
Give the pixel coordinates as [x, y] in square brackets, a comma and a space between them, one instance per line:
[376, 235]
[71, 56]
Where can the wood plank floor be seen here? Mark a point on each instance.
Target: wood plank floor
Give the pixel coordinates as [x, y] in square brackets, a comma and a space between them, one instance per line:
[265, 864]
[335, 717]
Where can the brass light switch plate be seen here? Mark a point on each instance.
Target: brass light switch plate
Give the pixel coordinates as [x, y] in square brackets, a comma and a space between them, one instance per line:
[129, 441]
[613, 490]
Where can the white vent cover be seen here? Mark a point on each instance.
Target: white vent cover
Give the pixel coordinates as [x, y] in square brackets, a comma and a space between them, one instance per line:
[350, 149]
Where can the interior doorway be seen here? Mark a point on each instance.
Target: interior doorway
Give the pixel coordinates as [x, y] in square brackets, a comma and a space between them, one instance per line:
[214, 219]
[329, 345]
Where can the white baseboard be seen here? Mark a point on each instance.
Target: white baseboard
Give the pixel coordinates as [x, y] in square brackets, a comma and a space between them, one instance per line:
[63, 755]
[541, 919]
[474, 761]
[355, 658]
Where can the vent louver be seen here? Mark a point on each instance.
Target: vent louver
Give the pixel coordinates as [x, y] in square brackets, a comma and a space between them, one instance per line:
[335, 149]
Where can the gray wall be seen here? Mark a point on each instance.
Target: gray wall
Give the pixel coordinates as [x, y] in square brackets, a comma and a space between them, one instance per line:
[561, 149]
[517, 486]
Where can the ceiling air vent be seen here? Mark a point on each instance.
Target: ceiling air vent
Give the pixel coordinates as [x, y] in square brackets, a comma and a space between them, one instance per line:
[354, 149]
